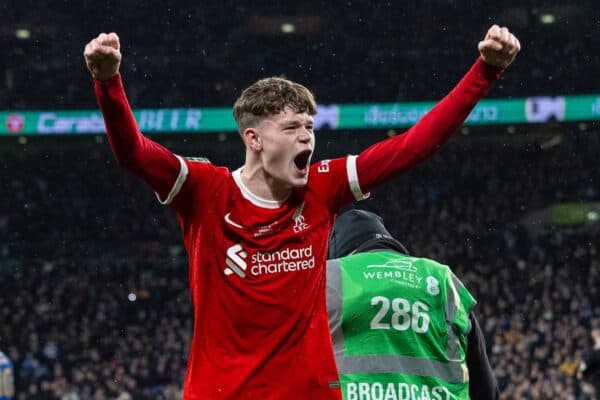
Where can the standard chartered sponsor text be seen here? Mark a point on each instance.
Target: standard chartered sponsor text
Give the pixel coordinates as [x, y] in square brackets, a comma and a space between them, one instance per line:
[286, 260]
[394, 391]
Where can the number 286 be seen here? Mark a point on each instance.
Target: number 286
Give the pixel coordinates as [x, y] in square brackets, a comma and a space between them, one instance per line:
[404, 315]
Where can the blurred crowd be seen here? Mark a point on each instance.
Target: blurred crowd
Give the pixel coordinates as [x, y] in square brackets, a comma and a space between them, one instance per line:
[185, 54]
[94, 298]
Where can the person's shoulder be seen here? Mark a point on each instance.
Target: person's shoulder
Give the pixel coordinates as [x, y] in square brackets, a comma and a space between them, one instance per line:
[430, 265]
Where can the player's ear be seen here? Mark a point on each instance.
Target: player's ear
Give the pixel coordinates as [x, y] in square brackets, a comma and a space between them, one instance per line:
[252, 139]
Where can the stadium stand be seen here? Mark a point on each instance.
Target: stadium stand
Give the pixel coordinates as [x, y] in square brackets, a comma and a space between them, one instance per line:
[187, 55]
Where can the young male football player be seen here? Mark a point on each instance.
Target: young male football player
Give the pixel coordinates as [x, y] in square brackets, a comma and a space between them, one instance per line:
[257, 237]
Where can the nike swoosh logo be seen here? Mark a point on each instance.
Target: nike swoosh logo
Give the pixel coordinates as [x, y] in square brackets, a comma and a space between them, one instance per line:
[231, 222]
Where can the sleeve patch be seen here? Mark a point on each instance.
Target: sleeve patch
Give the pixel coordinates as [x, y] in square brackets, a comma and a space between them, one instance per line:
[198, 159]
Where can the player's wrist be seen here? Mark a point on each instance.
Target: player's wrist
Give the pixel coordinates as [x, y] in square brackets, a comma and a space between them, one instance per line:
[105, 77]
[490, 71]
[107, 80]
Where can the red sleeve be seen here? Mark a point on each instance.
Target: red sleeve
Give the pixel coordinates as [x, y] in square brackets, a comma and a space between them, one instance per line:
[148, 160]
[335, 182]
[387, 159]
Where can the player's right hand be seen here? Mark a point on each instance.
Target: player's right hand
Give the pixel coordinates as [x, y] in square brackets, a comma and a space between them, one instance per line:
[103, 56]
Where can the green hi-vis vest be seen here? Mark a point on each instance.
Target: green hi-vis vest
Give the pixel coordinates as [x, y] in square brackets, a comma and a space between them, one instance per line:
[399, 326]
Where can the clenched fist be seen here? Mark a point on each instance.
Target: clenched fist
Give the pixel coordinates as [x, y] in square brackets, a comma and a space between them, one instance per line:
[499, 47]
[102, 56]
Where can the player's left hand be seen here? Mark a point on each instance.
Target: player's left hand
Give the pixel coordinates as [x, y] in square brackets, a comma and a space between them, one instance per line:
[499, 47]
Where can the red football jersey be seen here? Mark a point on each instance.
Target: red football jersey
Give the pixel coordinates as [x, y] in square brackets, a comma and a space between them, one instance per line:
[257, 279]
[257, 267]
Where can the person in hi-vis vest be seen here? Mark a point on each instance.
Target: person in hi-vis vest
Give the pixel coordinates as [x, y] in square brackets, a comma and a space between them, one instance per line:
[402, 327]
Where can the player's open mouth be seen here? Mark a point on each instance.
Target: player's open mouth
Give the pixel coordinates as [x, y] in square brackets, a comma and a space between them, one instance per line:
[302, 159]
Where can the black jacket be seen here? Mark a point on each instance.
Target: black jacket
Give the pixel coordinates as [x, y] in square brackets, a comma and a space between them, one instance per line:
[482, 381]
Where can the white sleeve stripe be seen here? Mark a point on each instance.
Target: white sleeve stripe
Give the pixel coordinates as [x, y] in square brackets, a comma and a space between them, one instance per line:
[183, 173]
[353, 179]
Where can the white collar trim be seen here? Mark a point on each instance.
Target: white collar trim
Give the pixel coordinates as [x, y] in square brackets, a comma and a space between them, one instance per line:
[251, 197]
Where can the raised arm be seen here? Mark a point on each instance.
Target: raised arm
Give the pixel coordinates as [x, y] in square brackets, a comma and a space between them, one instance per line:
[148, 160]
[387, 159]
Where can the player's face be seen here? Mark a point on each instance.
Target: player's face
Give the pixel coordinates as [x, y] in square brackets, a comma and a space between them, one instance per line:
[288, 141]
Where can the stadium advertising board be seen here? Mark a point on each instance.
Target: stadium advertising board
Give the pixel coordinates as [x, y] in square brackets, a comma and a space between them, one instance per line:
[333, 116]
